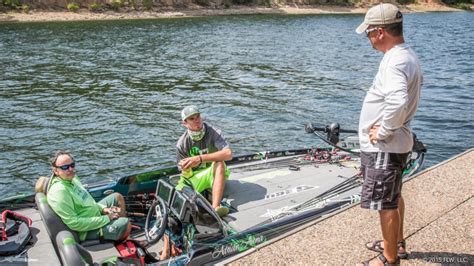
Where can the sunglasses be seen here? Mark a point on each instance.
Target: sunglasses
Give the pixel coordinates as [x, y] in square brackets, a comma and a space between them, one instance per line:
[368, 31]
[66, 166]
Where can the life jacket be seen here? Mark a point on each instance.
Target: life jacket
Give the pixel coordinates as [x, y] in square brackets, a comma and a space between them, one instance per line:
[15, 233]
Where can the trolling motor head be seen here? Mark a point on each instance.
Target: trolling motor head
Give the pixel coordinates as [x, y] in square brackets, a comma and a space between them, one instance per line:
[309, 128]
[333, 131]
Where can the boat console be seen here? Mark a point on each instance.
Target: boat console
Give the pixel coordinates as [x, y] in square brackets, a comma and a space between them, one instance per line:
[179, 202]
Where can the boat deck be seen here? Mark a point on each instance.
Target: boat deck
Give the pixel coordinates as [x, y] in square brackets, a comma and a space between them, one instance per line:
[258, 191]
[42, 251]
[438, 225]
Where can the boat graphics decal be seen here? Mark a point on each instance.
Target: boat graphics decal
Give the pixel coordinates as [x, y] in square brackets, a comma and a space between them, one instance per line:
[267, 175]
[271, 213]
[275, 214]
[285, 192]
[238, 245]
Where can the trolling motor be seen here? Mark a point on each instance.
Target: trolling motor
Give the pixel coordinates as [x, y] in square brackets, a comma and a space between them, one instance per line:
[333, 131]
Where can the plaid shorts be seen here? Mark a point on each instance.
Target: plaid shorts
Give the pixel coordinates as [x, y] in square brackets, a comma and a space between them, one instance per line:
[382, 179]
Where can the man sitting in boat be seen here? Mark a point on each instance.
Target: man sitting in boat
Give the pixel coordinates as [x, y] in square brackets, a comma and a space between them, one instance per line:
[201, 152]
[79, 211]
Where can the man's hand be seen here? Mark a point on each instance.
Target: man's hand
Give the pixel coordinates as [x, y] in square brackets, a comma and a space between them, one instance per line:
[190, 162]
[113, 216]
[111, 210]
[373, 134]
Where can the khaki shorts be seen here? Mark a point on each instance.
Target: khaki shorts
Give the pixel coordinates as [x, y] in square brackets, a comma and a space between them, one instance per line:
[382, 179]
[201, 179]
[115, 229]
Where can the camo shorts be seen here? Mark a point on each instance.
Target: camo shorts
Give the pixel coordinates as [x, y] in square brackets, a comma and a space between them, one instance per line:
[382, 179]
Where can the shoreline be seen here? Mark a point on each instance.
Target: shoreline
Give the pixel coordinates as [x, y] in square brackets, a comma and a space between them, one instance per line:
[197, 11]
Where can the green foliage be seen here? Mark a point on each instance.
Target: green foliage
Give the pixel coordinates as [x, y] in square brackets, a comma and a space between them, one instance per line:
[457, 2]
[13, 4]
[116, 5]
[25, 8]
[202, 2]
[463, 6]
[242, 2]
[406, 2]
[148, 4]
[73, 7]
[268, 3]
[95, 7]
[133, 4]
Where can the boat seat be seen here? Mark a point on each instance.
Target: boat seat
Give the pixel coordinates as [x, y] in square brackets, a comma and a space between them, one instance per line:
[46, 184]
[52, 221]
[72, 253]
[54, 224]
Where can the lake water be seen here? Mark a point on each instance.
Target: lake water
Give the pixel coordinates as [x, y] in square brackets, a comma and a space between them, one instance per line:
[111, 91]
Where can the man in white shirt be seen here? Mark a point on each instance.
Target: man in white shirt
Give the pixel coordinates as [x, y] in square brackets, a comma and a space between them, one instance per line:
[384, 128]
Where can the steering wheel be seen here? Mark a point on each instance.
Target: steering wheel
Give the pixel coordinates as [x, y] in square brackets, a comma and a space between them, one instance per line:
[156, 221]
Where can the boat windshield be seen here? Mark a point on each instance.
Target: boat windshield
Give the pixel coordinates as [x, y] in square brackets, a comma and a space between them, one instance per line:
[205, 222]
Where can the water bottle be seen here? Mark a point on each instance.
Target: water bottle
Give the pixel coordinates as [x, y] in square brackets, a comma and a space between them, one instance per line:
[187, 173]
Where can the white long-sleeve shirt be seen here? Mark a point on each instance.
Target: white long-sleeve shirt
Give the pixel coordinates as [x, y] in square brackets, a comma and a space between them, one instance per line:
[391, 102]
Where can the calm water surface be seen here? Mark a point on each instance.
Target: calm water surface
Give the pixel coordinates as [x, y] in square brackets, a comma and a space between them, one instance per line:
[111, 91]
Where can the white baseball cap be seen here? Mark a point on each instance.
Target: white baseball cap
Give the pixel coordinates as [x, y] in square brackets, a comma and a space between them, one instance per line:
[379, 15]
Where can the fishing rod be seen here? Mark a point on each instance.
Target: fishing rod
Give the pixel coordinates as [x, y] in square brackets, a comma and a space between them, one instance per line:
[332, 134]
[336, 190]
[344, 186]
[267, 165]
[312, 156]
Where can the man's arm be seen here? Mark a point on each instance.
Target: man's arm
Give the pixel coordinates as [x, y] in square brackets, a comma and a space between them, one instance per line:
[219, 156]
[63, 206]
[396, 99]
[222, 155]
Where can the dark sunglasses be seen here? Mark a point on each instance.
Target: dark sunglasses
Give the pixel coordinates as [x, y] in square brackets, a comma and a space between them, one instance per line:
[66, 166]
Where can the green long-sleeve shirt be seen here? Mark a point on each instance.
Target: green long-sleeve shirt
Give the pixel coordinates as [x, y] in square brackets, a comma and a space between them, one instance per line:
[76, 207]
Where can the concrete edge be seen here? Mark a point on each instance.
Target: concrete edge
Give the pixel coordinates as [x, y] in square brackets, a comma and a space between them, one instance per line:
[431, 168]
[302, 227]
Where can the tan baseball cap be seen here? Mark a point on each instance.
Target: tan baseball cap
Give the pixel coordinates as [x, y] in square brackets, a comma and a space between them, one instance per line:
[379, 15]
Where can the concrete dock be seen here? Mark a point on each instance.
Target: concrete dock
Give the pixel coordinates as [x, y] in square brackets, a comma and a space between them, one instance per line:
[439, 225]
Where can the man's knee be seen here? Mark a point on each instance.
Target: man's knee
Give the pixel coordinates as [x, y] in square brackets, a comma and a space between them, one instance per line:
[219, 168]
[218, 165]
[121, 203]
[388, 214]
[127, 232]
[119, 197]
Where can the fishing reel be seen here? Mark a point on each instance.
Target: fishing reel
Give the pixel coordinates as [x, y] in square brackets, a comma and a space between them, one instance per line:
[332, 131]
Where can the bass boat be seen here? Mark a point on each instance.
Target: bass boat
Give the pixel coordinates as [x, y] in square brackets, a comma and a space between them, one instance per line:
[269, 195]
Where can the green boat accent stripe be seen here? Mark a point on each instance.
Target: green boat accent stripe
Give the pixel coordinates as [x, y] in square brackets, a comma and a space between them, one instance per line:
[69, 241]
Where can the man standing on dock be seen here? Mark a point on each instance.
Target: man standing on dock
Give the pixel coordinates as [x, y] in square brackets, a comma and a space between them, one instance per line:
[384, 128]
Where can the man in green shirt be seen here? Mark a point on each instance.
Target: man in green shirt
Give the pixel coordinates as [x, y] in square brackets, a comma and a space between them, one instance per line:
[78, 210]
